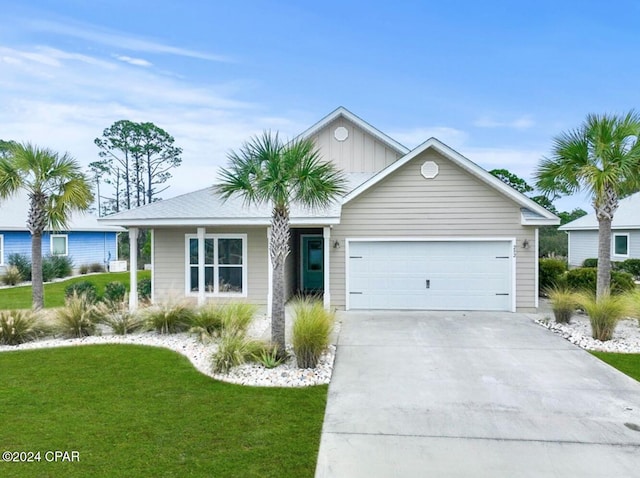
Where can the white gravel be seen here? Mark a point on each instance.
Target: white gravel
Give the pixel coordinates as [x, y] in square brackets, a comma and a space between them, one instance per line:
[285, 375]
[626, 338]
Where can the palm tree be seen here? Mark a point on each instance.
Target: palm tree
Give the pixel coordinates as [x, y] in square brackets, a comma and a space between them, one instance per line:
[267, 171]
[601, 157]
[55, 186]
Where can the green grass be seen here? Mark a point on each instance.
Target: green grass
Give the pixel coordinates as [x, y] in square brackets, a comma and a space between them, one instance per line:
[143, 411]
[628, 364]
[20, 297]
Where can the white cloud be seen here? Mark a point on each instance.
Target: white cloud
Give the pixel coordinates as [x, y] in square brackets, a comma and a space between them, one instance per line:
[112, 38]
[64, 100]
[523, 122]
[133, 61]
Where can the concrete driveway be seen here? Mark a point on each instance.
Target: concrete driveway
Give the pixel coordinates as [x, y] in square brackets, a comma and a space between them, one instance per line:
[470, 394]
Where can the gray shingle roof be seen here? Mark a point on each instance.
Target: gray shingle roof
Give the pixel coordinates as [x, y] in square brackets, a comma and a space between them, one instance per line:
[626, 217]
[206, 207]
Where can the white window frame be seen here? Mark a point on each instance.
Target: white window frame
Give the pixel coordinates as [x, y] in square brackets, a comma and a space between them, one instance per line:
[1, 249]
[66, 244]
[215, 266]
[613, 244]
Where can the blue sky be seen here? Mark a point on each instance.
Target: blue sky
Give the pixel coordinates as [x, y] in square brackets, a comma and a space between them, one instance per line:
[494, 80]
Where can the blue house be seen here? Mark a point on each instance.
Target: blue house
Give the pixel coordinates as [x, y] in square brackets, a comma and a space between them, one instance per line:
[85, 241]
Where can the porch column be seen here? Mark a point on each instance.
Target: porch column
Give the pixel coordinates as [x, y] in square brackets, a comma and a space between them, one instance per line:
[269, 274]
[326, 234]
[133, 269]
[201, 259]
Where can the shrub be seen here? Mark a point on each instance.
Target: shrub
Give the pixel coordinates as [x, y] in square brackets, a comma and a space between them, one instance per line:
[592, 262]
[236, 316]
[23, 263]
[604, 312]
[550, 272]
[83, 269]
[96, 267]
[78, 318]
[234, 349]
[207, 322]
[11, 276]
[632, 266]
[170, 318]
[563, 303]
[114, 291]
[85, 288]
[311, 331]
[19, 326]
[48, 270]
[144, 289]
[585, 278]
[622, 282]
[57, 266]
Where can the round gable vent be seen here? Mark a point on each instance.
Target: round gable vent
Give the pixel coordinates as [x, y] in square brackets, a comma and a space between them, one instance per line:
[341, 133]
[429, 169]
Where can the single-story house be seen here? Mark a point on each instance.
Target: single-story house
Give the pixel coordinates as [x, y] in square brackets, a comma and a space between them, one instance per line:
[85, 240]
[419, 229]
[625, 234]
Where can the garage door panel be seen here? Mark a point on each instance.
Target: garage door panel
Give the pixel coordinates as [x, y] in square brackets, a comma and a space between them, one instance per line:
[461, 275]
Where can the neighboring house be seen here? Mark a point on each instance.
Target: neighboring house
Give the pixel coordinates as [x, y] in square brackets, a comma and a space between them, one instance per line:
[420, 229]
[85, 241]
[625, 234]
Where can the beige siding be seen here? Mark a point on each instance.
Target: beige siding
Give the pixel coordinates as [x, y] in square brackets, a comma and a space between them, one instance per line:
[454, 204]
[290, 274]
[359, 153]
[169, 261]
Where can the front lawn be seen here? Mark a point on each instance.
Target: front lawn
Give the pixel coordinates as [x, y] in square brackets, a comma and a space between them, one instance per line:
[626, 363]
[144, 411]
[20, 297]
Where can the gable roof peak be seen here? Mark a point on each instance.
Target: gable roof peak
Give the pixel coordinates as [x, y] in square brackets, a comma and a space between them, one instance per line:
[342, 112]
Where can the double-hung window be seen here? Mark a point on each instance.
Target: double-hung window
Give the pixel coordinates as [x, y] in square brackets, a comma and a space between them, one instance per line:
[224, 264]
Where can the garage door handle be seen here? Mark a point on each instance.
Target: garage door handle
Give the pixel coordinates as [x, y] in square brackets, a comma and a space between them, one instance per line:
[428, 284]
[502, 294]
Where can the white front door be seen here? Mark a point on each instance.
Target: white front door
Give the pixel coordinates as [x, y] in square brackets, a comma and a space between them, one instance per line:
[430, 275]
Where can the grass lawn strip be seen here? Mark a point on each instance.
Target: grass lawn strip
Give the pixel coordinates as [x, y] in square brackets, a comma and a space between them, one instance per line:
[628, 364]
[141, 411]
[20, 297]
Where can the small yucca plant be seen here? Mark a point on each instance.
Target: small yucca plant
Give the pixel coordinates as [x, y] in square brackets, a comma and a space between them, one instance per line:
[19, 326]
[604, 312]
[312, 329]
[12, 276]
[235, 349]
[78, 318]
[563, 303]
[269, 356]
[170, 317]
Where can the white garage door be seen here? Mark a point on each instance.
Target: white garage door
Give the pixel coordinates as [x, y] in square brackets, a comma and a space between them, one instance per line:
[458, 275]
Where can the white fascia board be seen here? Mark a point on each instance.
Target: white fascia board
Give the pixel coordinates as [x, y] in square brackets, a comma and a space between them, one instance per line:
[342, 111]
[203, 222]
[538, 221]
